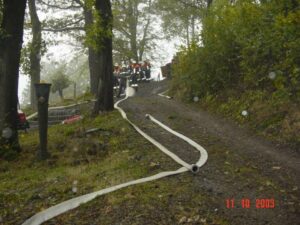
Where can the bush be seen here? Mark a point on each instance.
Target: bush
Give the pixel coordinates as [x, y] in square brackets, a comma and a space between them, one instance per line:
[249, 55]
[245, 45]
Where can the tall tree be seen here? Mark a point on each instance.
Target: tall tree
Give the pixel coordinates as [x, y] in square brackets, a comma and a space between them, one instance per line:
[103, 37]
[35, 51]
[133, 31]
[209, 2]
[60, 81]
[11, 39]
[181, 18]
[82, 20]
[92, 56]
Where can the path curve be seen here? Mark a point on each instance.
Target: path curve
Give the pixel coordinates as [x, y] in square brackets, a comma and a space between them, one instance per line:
[73, 203]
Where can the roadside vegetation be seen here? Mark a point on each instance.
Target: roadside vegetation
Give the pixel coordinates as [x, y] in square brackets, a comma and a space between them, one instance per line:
[247, 66]
[80, 163]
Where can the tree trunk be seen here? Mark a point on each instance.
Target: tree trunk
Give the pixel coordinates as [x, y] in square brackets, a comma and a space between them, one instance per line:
[188, 33]
[35, 52]
[10, 51]
[61, 94]
[105, 100]
[209, 2]
[143, 41]
[193, 28]
[133, 18]
[92, 56]
[94, 71]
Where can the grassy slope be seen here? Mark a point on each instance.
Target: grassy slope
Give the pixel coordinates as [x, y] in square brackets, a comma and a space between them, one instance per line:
[274, 116]
[111, 156]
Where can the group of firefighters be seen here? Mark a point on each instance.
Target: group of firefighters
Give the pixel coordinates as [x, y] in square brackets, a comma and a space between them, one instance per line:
[135, 72]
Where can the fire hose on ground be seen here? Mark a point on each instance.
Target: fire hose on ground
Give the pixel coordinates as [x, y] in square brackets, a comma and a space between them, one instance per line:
[73, 203]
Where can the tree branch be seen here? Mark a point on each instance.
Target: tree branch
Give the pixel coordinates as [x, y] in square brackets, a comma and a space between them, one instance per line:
[63, 29]
[72, 6]
[143, 41]
[80, 3]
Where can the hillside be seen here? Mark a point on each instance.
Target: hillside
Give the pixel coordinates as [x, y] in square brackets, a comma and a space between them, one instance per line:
[240, 166]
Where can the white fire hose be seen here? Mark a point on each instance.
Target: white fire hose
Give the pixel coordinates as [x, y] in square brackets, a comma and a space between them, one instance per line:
[163, 95]
[68, 205]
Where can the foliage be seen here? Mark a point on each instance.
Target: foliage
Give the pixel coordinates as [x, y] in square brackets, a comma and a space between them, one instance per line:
[247, 48]
[181, 18]
[59, 81]
[76, 69]
[134, 31]
[97, 32]
[25, 56]
[78, 72]
[244, 45]
[274, 116]
[129, 29]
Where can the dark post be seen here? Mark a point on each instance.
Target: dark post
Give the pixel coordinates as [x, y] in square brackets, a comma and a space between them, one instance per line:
[42, 92]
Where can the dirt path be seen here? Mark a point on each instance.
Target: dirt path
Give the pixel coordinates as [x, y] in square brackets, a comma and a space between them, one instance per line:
[240, 166]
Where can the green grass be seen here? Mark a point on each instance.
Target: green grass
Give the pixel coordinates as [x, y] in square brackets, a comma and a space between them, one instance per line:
[114, 155]
[111, 156]
[269, 115]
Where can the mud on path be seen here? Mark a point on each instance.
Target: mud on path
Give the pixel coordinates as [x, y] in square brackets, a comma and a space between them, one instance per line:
[240, 164]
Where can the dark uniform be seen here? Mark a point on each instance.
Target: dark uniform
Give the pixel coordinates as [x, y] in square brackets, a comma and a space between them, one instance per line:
[142, 72]
[147, 68]
[116, 73]
[122, 80]
[135, 72]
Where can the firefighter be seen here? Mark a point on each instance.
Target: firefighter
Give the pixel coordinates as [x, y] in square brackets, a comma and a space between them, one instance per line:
[144, 69]
[117, 68]
[122, 81]
[134, 70]
[116, 73]
[147, 66]
[142, 72]
[138, 72]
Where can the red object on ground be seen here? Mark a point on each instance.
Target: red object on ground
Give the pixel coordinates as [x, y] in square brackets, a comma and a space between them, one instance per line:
[22, 121]
[72, 119]
[22, 117]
